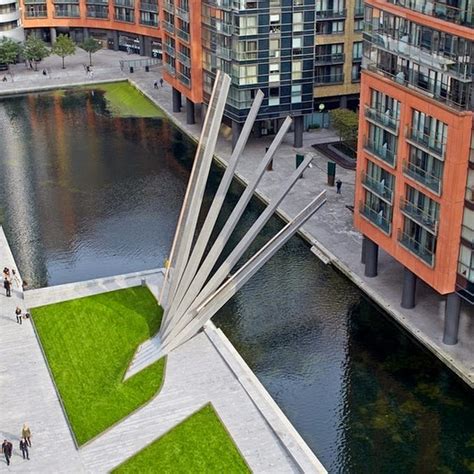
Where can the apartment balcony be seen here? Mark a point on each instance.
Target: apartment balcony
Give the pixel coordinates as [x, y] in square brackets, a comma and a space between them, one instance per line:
[149, 7]
[62, 2]
[124, 18]
[183, 59]
[329, 79]
[170, 69]
[125, 3]
[224, 4]
[223, 53]
[35, 13]
[422, 176]
[152, 23]
[359, 12]
[169, 27]
[169, 50]
[428, 143]
[183, 14]
[382, 119]
[169, 6]
[380, 151]
[97, 2]
[376, 218]
[377, 187]
[330, 14]
[182, 34]
[224, 28]
[32, 2]
[419, 215]
[439, 10]
[244, 55]
[183, 79]
[416, 247]
[322, 59]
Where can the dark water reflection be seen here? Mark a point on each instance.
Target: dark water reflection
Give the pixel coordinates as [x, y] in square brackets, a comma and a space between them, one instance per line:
[84, 195]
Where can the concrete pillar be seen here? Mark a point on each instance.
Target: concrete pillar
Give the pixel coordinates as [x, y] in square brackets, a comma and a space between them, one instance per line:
[190, 112]
[142, 45]
[343, 102]
[176, 100]
[409, 289]
[257, 130]
[298, 126]
[52, 32]
[148, 48]
[236, 129]
[85, 32]
[451, 319]
[364, 248]
[116, 40]
[371, 258]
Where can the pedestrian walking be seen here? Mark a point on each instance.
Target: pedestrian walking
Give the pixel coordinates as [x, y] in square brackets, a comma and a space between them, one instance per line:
[24, 285]
[155, 85]
[15, 278]
[161, 81]
[45, 73]
[338, 186]
[24, 449]
[7, 449]
[6, 273]
[4, 79]
[7, 285]
[26, 434]
[18, 315]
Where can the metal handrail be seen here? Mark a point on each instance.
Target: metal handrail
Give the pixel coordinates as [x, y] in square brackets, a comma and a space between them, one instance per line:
[419, 215]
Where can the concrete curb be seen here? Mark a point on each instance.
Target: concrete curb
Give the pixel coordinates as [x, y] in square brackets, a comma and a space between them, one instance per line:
[294, 444]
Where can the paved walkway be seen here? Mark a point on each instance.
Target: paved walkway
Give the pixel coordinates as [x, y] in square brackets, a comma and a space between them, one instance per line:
[27, 393]
[331, 231]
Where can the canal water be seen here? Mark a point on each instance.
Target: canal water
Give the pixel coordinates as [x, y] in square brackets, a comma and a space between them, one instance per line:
[84, 194]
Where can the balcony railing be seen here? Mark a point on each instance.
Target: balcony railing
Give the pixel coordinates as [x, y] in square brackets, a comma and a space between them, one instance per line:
[224, 53]
[358, 12]
[98, 14]
[153, 23]
[380, 118]
[381, 151]
[148, 7]
[35, 14]
[97, 2]
[182, 58]
[170, 69]
[124, 18]
[329, 58]
[428, 142]
[376, 217]
[422, 176]
[244, 55]
[329, 79]
[67, 13]
[27, 2]
[125, 3]
[416, 247]
[182, 34]
[183, 79]
[224, 28]
[379, 188]
[170, 50]
[419, 215]
[329, 14]
[183, 14]
[168, 6]
[168, 26]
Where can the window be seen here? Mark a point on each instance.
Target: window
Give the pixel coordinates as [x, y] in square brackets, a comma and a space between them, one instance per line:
[274, 48]
[247, 50]
[274, 96]
[275, 23]
[330, 27]
[296, 93]
[359, 25]
[248, 25]
[247, 74]
[357, 51]
[298, 21]
[296, 70]
[429, 131]
[297, 44]
[274, 74]
[355, 72]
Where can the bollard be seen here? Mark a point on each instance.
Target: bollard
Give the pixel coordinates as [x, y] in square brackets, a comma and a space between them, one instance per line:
[143, 282]
[331, 173]
[299, 160]
[147, 68]
[131, 69]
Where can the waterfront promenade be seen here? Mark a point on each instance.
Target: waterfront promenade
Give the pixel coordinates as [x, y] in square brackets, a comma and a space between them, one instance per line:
[330, 231]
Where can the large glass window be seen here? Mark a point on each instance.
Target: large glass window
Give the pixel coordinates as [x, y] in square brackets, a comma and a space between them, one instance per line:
[248, 25]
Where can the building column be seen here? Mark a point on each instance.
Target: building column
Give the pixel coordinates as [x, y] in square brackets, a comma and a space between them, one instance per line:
[409, 289]
[371, 258]
[85, 32]
[236, 129]
[343, 102]
[190, 112]
[116, 40]
[298, 126]
[364, 250]
[142, 45]
[52, 32]
[176, 100]
[451, 319]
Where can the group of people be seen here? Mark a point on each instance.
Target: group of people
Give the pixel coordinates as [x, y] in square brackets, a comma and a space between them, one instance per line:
[10, 279]
[24, 445]
[155, 84]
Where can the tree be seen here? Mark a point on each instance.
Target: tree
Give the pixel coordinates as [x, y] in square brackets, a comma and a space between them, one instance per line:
[35, 50]
[346, 123]
[9, 51]
[91, 46]
[63, 47]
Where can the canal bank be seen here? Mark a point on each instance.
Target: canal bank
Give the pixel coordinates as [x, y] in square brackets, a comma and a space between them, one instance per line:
[333, 237]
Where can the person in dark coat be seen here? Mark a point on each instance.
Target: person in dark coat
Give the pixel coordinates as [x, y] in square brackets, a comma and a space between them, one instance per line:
[338, 186]
[7, 285]
[24, 449]
[7, 449]
[18, 315]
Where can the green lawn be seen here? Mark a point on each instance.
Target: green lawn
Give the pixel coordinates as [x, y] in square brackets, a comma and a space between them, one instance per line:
[124, 100]
[199, 444]
[89, 343]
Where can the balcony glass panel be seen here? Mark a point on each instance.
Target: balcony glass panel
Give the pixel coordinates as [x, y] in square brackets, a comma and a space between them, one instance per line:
[381, 151]
[382, 118]
[183, 59]
[182, 34]
[184, 79]
[379, 187]
[148, 7]
[328, 14]
[419, 215]
[423, 176]
[337, 78]
[170, 69]
[183, 14]
[329, 58]
[168, 26]
[429, 142]
[376, 217]
[416, 247]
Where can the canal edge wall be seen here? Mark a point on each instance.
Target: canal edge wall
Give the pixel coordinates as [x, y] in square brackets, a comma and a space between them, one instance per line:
[326, 256]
